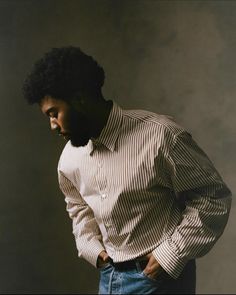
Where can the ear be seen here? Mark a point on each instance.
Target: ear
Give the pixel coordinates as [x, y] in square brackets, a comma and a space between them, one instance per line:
[80, 103]
[76, 100]
[81, 97]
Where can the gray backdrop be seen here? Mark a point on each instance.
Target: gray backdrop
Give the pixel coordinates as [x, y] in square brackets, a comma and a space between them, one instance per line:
[171, 57]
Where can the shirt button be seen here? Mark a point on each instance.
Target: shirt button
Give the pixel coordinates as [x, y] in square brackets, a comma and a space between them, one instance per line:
[104, 196]
[100, 164]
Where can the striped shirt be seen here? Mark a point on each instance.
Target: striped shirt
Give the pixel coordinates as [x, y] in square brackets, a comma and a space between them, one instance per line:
[143, 186]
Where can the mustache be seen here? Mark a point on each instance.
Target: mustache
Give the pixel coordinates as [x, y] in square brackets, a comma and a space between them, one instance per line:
[66, 135]
[63, 133]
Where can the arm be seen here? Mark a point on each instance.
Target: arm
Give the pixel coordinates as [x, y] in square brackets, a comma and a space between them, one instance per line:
[85, 228]
[206, 200]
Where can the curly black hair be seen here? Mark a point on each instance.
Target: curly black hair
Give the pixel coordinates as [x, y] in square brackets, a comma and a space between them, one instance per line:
[63, 73]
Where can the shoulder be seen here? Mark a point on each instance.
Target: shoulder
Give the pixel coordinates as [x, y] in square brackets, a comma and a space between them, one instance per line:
[153, 121]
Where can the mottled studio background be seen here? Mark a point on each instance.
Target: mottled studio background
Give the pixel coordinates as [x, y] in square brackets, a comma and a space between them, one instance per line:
[171, 57]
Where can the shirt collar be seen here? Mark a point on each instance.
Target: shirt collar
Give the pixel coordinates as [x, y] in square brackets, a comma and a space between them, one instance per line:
[110, 132]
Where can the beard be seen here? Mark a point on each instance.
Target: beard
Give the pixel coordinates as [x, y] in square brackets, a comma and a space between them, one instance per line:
[79, 129]
[78, 141]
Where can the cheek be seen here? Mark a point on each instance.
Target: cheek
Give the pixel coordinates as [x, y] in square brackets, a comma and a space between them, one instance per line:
[63, 121]
[77, 121]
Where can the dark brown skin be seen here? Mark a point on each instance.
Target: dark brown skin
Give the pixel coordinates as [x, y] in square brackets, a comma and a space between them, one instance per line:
[77, 120]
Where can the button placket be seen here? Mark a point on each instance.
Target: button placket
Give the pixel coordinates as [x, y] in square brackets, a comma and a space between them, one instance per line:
[100, 164]
[100, 177]
[102, 185]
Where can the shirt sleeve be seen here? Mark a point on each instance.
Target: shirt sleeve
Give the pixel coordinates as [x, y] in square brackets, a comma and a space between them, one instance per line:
[207, 202]
[85, 228]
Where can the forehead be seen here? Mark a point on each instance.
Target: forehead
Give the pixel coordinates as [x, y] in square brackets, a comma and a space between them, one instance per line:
[49, 102]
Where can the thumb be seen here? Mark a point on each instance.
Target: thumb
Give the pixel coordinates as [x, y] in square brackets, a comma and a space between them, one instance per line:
[104, 256]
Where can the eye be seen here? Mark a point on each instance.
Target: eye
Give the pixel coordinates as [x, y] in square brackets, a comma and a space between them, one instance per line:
[53, 115]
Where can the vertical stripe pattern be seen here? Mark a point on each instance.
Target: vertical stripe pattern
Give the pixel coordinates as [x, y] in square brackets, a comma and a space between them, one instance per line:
[143, 186]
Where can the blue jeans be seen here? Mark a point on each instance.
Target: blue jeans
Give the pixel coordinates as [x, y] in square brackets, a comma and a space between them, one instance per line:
[113, 281]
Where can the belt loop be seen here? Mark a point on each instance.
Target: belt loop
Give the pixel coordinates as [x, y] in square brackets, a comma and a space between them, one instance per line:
[138, 266]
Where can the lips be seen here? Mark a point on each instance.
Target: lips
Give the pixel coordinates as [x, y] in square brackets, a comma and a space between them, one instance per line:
[66, 136]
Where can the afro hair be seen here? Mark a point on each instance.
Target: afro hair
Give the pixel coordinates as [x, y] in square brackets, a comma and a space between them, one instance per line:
[63, 73]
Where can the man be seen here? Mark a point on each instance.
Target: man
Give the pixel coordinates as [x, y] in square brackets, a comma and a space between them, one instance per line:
[144, 199]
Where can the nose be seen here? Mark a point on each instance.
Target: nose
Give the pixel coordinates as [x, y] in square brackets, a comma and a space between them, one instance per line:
[54, 124]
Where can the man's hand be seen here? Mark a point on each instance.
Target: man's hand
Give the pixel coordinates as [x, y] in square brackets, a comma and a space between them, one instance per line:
[153, 269]
[103, 258]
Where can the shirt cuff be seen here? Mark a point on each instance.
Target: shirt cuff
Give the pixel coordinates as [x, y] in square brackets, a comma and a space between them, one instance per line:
[92, 251]
[169, 260]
